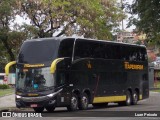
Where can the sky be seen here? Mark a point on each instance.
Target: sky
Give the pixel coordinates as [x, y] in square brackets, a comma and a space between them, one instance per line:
[125, 21]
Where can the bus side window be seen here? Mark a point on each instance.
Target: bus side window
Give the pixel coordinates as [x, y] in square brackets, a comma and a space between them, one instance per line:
[117, 52]
[99, 51]
[136, 54]
[109, 51]
[133, 56]
[82, 49]
[112, 51]
[125, 53]
[144, 54]
[122, 51]
[66, 48]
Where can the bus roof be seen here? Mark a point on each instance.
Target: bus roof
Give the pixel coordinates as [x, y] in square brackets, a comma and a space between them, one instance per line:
[63, 38]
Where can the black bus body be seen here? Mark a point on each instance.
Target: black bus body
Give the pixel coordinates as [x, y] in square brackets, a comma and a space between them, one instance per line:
[75, 72]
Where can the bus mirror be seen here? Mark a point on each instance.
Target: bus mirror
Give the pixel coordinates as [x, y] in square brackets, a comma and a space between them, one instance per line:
[8, 66]
[54, 64]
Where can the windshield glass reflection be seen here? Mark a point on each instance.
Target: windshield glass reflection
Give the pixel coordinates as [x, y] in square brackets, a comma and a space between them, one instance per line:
[34, 79]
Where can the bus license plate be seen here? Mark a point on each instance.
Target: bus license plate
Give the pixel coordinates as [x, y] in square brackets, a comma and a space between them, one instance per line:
[34, 105]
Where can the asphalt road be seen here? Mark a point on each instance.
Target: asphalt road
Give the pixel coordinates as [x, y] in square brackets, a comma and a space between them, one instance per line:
[146, 109]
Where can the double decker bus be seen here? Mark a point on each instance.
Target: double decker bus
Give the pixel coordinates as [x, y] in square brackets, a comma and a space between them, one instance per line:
[75, 72]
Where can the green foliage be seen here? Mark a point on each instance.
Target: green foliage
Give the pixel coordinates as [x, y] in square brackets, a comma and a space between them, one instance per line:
[148, 17]
[10, 37]
[88, 18]
[4, 92]
[4, 86]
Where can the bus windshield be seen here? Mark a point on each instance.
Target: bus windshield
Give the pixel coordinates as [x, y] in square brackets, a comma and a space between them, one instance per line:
[31, 80]
[38, 51]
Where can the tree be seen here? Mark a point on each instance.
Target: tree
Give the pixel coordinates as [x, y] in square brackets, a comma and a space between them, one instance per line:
[5, 18]
[88, 18]
[91, 18]
[9, 39]
[148, 19]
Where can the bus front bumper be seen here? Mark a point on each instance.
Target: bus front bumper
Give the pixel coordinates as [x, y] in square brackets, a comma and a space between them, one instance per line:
[39, 101]
[35, 102]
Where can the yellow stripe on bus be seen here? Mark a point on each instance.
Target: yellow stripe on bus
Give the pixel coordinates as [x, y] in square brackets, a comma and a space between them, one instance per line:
[54, 65]
[140, 97]
[109, 99]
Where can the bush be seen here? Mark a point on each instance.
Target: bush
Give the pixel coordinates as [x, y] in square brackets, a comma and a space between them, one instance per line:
[4, 86]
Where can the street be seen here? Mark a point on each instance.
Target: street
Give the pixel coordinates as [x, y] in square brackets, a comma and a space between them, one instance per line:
[149, 106]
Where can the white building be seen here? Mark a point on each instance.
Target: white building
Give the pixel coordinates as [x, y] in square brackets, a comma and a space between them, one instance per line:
[126, 37]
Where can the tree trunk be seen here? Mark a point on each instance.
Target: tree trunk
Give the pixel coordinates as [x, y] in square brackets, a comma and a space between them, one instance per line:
[9, 50]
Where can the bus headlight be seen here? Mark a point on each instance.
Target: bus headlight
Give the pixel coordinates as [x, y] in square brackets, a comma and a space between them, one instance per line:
[18, 97]
[51, 95]
[55, 93]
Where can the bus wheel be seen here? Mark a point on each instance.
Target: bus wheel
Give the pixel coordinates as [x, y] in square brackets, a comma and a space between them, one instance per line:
[128, 98]
[135, 98]
[83, 103]
[73, 103]
[50, 108]
[38, 109]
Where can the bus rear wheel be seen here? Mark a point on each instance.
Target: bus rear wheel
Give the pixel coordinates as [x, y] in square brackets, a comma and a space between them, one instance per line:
[50, 108]
[73, 103]
[128, 100]
[38, 109]
[135, 98]
[83, 103]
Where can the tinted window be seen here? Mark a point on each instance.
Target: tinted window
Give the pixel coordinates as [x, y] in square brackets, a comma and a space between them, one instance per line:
[105, 50]
[38, 51]
[83, 49]
[99, 50]
[133, 53]
[95, 49]
[90, 49]
[124, 53]
[113, 51]
[66, 48]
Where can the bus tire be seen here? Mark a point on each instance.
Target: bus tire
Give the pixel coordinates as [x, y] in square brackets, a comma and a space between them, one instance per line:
[83, 102]
[134, 98]
[73, 103]
[50, 108]
[38, 109]
[128, 98]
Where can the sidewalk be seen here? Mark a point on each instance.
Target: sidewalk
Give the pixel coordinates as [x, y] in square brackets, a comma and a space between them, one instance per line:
[7, 102]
